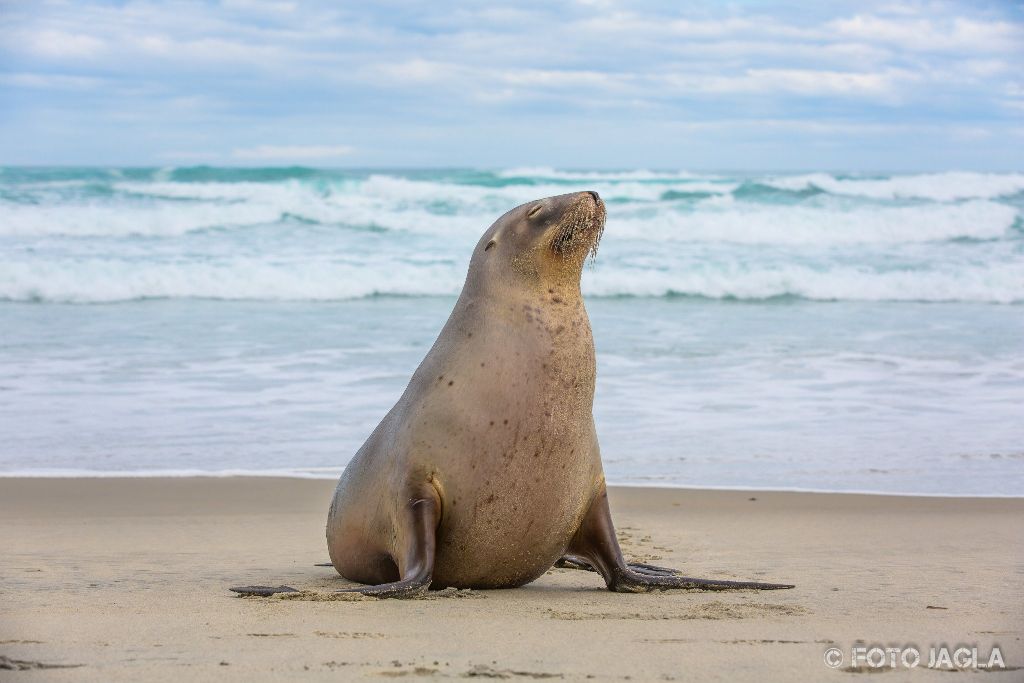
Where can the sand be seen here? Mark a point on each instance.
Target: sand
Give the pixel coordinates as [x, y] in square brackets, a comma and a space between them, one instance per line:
[126, 580]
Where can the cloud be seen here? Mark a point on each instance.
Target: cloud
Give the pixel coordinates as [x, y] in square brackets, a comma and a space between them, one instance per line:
[208, 51]
[957, 33]
[260, 5]
[225, 75]
[422, 71]
[50, 81]
[292, 152]
[639, 26]
[671, 81]
[809, 82]
[61, 44]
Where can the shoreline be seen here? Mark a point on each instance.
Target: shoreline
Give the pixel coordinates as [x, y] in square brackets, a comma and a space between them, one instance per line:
[127, 579]
[309, 475]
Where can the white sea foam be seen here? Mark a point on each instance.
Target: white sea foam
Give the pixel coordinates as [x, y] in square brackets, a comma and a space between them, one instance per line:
[284, 192]
[665, 481]
[820, 248]
[69, 473]
[395, 189]
[106, 280]
[992, 284]
[795, 225]
[445, 209]
[941, 187]
[161, 219]
[640, 174]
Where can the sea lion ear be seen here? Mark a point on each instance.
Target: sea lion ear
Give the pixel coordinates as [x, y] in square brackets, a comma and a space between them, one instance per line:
[490, 244]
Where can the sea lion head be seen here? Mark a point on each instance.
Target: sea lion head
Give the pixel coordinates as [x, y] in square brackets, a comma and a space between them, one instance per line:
[543, 241]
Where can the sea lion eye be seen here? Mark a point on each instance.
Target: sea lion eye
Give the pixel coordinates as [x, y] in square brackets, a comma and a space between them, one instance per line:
[534, 211]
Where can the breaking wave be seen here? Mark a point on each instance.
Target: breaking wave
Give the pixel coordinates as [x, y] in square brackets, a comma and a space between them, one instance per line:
[97, 235]
[942, 187]
[106, 281]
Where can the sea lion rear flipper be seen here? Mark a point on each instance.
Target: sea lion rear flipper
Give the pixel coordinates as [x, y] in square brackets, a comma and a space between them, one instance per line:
[595, 545]
[415, 561]
[574, 562]
[262, 590]
[422, 514]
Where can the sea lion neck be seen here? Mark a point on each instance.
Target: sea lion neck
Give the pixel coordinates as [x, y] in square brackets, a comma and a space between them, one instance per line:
[557, 299]
[518, 278]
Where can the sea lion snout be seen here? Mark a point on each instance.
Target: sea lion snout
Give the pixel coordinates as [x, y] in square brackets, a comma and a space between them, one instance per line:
[588, 198]
[591, 200]
[581, 226]
[559, 208]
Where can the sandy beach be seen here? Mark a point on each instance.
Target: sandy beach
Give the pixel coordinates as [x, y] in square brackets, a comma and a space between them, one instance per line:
[126, 579]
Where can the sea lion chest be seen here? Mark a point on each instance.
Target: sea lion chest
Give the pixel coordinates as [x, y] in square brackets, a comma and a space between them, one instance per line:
[504, 426]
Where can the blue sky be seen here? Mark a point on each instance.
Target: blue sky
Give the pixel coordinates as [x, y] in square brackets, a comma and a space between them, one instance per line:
[593, 83]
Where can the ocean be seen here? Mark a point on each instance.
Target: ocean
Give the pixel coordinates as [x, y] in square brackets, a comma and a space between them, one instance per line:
[815, 331]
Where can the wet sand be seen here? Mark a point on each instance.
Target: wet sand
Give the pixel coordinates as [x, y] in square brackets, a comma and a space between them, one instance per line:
[126, 580]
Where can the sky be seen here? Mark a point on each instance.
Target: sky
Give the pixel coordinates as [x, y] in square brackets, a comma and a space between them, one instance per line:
[450, 83]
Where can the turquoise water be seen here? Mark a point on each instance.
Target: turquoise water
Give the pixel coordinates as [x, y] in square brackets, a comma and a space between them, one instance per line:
[819, 331]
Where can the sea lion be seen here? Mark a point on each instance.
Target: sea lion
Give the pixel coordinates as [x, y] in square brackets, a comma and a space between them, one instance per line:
[487, 472]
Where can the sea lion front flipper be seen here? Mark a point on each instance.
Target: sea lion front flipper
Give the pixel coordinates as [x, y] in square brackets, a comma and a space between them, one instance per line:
[418, 536]
[595, 544]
